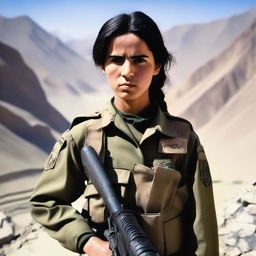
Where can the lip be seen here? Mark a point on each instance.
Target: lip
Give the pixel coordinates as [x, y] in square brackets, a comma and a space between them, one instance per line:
[127, 85]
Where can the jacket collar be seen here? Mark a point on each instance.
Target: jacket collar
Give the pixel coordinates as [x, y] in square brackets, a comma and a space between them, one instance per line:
[164, 123]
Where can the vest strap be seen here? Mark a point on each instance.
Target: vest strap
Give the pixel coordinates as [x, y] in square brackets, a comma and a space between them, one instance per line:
[95, 138]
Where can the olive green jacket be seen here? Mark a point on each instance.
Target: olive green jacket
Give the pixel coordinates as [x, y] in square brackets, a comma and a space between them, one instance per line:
[63, 179]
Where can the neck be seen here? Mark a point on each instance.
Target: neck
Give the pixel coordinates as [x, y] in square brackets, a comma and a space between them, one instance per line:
[132, 107]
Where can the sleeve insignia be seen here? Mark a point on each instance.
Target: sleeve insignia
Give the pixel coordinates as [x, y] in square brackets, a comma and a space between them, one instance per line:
[204, 172]
[52, 159]
[204, 169]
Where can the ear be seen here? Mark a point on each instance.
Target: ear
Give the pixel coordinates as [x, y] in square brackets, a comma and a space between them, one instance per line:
[157, 70]
[102, 69]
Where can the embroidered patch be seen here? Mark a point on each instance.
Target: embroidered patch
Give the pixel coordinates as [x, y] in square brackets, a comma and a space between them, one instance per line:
[173, 146]
[163, 162]
[52, 159]
[204, 171]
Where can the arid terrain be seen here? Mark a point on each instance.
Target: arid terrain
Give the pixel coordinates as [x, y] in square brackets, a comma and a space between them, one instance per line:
[44, 82]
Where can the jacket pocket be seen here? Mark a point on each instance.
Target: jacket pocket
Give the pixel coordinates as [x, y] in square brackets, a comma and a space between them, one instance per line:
[162, 201]
[165, 228]
[155, 187]
[172, 222]
[94, 204]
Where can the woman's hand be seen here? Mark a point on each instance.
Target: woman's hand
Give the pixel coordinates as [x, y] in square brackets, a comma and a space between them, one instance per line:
[97, 247]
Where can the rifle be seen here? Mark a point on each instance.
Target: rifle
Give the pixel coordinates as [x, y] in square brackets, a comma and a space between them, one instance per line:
[125, 235]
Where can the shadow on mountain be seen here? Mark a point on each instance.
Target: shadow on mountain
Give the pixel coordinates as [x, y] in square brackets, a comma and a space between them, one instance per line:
[38, 135]
[20, 87]
[217, 82]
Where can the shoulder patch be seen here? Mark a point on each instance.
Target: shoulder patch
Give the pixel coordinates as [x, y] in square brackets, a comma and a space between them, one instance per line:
[53, 157]
[204, 169]
[176, 118]
[79, 119]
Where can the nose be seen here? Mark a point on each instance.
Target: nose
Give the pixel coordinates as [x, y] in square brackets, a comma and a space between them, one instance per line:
[127, 70]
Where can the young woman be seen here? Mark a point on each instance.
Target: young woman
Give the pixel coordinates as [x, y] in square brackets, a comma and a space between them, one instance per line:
[155, 160]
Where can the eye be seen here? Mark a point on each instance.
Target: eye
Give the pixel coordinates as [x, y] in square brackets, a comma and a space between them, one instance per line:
[116, 59]
[139, 60]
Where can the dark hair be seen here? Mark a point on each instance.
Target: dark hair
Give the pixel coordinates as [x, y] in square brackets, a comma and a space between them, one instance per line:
[144, 27]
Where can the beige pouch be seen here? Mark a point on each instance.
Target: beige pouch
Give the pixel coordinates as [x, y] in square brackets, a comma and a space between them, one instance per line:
[158, 194]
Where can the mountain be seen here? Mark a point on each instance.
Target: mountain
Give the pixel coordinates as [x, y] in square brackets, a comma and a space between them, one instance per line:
[24, 110]
[82, 47]
[39, 135]
[64, 76]
[214, 84]
[193, 45]
[28, 130]
[230, 137]
[20, 87]
[220, 100]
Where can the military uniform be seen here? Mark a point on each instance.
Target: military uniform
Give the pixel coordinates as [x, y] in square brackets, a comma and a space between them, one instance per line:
[159, 170]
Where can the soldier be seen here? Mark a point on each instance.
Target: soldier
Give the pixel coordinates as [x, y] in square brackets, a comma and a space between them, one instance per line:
[155, 159]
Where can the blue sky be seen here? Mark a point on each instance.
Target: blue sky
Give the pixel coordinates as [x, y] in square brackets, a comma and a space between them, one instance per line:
[81, 18]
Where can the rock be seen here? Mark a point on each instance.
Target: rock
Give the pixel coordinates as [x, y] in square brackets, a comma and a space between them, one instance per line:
[253, 253]
[251, 209]
[243, 245]
[32, 241]
[232, 241]
[237, 233]
[244, 217]
[233, 208]
[247, 230]
[249, 197]
[6, 229]
[238, 230]
[233, 252]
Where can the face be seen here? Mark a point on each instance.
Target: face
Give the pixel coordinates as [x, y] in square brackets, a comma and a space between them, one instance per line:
[129, 69]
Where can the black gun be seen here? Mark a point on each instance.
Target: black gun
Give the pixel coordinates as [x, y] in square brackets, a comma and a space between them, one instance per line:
[125, 235]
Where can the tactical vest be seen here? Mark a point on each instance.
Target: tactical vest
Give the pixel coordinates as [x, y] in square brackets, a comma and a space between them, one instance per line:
[156, 191]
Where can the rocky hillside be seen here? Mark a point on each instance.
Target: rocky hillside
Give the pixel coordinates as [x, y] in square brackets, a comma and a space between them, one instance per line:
[24, 109]
[238, 227]
[20, 87]
[63, 74]
[29, 127]
[38, 135]
[214, 84]
[220, 100]
[194, 45]
[237, 231]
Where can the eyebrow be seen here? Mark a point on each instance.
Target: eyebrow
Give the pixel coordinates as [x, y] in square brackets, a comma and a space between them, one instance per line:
[133, 57]
[139, 56]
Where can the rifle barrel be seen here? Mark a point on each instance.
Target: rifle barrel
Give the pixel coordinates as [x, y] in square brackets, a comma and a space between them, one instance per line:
[97, 174]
